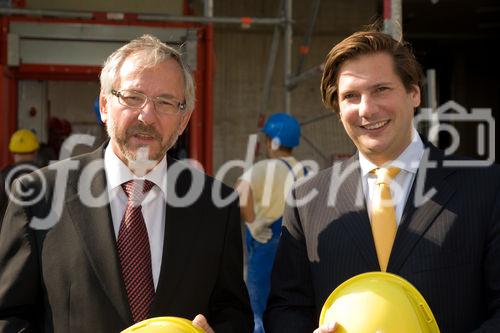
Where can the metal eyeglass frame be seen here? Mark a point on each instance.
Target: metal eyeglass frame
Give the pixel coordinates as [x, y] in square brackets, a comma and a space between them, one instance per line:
[180, 106]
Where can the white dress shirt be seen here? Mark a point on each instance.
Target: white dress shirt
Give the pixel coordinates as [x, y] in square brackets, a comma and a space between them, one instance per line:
[153, 206]
[408, 162]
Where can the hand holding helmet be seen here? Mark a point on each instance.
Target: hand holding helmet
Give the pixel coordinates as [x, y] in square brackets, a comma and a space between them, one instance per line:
[377, 302]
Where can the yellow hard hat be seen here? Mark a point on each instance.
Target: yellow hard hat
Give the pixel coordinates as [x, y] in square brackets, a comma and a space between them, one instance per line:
[378, 302]
[164, 325]
[23, 141]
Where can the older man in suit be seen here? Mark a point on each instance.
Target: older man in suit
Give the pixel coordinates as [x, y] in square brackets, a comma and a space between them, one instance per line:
[125, 233]
[443, 230]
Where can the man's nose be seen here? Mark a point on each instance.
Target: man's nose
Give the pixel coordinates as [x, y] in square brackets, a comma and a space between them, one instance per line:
[366, 107]
[147, 114]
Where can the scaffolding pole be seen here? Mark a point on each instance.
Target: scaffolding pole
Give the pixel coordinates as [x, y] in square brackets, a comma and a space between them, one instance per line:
[306, 75]
[306, 43]
[313, 146]
[149, 17]
[393, 18]
[224, 20]
[208, 8]
[287, 52]
[432, 104]
[271, 63]
[209, 87]
[304, 51]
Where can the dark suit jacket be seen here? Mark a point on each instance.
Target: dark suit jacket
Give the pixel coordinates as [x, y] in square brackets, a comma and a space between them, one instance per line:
[67, 278]
[448, 247]
[7, 174]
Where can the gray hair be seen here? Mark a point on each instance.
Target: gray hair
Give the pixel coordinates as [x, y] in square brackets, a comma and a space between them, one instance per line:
[152, 51]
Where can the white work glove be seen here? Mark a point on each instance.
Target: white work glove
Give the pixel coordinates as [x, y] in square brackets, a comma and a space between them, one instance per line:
[260, 231]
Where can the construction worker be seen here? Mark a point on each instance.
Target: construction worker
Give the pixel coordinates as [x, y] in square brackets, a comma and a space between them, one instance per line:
[263, 190]
[24, 146]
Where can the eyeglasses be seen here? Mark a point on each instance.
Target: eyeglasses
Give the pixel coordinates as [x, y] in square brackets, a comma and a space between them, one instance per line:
[137, 100]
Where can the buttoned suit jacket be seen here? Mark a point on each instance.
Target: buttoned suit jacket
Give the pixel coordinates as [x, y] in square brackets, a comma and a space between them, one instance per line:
[67, 278]
[448, 246]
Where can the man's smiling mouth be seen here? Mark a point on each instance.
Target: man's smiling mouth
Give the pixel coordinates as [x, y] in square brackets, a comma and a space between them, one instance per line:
[375, 126]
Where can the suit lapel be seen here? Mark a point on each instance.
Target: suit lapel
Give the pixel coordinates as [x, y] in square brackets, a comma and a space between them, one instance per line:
[418, 216]
[180, 233]
[96, 230]
[350, 202]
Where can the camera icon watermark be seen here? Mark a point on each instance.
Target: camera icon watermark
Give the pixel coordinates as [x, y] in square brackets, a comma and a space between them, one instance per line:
[449, 113]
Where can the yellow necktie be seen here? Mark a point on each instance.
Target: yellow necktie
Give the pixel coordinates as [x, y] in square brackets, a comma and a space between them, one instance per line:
[383, 216]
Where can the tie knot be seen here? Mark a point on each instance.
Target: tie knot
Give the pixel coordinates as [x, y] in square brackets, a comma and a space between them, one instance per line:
[385, 175]
[136, 190]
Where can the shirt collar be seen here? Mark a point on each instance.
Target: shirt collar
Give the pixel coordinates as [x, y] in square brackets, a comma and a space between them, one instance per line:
[408, 160]
[118, 173]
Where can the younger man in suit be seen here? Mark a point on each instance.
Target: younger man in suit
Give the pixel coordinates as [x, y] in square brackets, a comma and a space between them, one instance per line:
[443, 230]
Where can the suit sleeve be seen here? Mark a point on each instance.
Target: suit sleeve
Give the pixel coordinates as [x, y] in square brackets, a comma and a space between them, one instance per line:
[19, 275]
[230, 309]
[492, 271]
[3, 198]
[291, 306]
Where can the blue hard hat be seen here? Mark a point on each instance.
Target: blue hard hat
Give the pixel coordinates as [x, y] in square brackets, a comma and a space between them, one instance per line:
[283, 127]
[97, 112]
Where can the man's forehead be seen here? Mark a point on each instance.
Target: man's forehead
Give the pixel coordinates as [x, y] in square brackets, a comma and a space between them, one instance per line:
[135, 65]
[164, 78]
[367, 70]
[129, 65]
[349, 79]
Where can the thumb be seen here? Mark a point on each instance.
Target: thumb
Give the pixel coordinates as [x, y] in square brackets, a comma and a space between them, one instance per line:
[201, 322]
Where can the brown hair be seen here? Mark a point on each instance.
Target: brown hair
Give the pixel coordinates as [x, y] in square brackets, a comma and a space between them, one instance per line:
[367, 42]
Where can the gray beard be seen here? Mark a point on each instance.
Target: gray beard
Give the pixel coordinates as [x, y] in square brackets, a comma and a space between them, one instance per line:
[134, 156]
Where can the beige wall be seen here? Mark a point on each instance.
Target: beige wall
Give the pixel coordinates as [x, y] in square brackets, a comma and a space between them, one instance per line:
[241, 60]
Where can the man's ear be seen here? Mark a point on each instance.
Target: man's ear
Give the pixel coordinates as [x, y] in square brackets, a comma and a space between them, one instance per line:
[103, 107]
[184, 121]
[415, 95]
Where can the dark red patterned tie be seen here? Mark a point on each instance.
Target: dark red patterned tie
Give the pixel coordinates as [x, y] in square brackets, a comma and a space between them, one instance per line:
[134, 252]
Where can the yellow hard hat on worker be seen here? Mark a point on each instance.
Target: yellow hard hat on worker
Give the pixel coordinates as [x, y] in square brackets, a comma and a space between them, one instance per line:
[378, 302]
[164, 325]
[23, 141]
